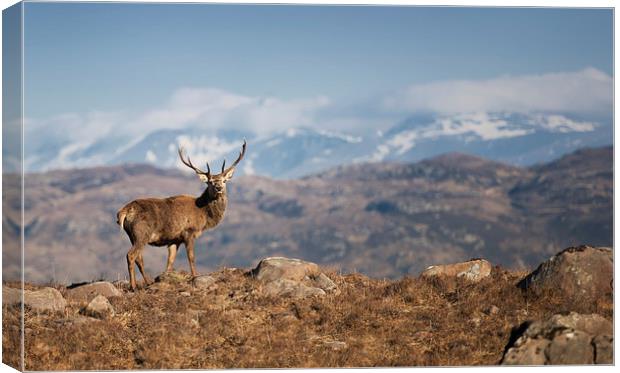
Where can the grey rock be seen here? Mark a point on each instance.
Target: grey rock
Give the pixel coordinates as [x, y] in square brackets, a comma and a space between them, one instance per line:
[290, 288]
[530, 353]
[563, 339]
[203, 282]
[279, 268]
[11, 296]
[173, 277]
[88, 292]
[570, 347]
[325, 283]
[603, 349]
[99, 308]
[473, 270]
[583, 273]
[46, 299]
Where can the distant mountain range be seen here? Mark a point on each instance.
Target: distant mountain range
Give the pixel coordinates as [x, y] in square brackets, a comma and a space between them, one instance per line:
[384, 219]
[512, 138]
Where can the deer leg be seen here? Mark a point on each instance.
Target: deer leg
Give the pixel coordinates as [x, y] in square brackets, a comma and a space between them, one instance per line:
[131, 261]
[140, 262]
[189, 246]
[172, 254]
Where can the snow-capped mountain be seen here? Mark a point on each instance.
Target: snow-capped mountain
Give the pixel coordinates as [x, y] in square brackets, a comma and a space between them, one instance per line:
[509, 137]
[514, 138]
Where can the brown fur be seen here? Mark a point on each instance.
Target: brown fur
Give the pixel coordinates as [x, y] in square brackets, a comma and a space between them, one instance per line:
[174, 220]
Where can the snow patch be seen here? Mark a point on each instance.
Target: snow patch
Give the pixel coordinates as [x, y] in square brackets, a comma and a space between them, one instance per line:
[341, 136]
[150, 157]
[562, 124]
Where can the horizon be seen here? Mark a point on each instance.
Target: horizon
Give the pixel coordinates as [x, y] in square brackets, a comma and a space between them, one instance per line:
[391, 162]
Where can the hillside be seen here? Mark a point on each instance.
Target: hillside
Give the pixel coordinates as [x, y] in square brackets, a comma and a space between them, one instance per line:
[380, 219]
[237, 318]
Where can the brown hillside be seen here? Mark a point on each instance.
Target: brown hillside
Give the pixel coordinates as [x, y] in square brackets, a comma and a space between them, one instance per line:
[234, 324]
[383, 220]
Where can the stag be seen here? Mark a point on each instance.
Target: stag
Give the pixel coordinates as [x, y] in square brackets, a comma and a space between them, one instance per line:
[175, 220]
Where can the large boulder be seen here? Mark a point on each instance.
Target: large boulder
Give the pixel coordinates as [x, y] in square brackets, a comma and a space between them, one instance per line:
[46, 299]
[562, 339]
[584, 273]
[472, 270]
[88, 292]
[292, 278]
[276, 268]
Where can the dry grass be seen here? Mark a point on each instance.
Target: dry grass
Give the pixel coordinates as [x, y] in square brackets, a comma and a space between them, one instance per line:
[409, 322]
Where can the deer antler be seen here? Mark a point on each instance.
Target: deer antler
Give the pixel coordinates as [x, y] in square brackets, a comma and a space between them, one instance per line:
[241, 154]
[189, 164]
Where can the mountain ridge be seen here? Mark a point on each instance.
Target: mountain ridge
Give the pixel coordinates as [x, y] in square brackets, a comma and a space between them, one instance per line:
[300, 150]
[383, 219]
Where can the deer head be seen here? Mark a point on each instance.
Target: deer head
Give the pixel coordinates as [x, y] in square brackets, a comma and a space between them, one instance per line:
[216, 184]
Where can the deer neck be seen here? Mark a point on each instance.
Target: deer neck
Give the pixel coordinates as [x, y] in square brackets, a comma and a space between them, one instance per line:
[213, 207]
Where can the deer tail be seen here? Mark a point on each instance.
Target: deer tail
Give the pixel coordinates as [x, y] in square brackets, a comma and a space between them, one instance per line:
[120, 218]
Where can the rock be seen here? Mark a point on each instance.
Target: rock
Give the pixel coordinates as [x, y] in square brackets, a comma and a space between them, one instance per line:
[563, 339]
[492, 310]
[290, 288]
[278, 268]
[473, 270]
[583, 273]
[203, 282]
[570, 347]
[173, 277]
[11, 296]
[46, 299]
[531, 353]
[604, 347]
[592, 324]
[76, 319]
[99, 308]
[325, 283]
[88, 292]
[292, 278]
[185, 294]
[335, 345]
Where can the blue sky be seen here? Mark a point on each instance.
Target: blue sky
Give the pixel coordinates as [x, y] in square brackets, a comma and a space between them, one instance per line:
[82, 58]
[99, 77]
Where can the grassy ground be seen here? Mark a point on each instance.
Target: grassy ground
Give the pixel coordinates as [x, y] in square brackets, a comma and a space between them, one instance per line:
[409, 322]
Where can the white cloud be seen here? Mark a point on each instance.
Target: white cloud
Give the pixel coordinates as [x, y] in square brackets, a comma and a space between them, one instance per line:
[205, 109]
[213, 109]
[202, 150]
[585, 91]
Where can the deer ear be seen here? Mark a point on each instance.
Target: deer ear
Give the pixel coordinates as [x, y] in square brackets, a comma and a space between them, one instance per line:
[203, 178]
[228, 174]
